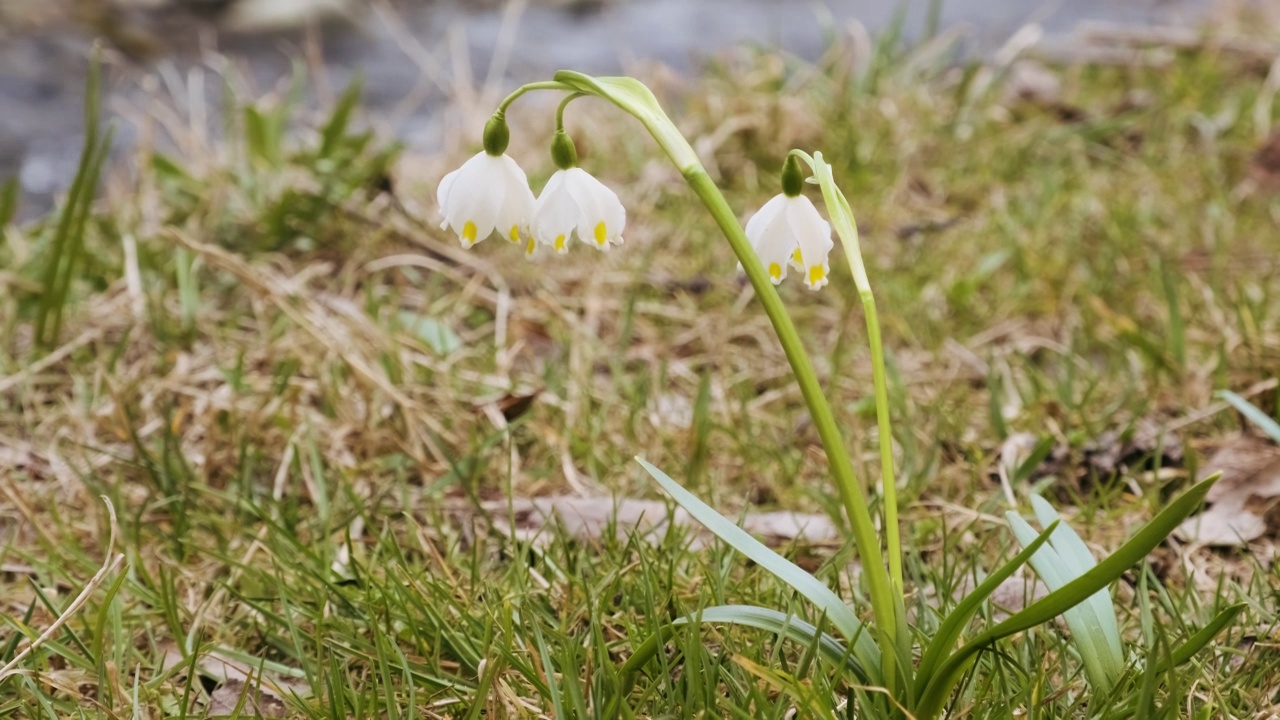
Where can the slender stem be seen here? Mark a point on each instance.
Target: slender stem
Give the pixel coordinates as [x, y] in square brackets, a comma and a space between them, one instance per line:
[842, 218]
[892, 537]
[796, 152]
[837, 455]
[544, 85]
[636, 100]
[564, 104]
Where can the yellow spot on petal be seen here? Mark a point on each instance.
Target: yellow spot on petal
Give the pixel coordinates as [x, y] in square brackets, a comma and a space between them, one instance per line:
[795, 257]
[560, 243]
[775, 271]
[515, 233]
[469, 232]
[528, 250]
[601, 234]
[816, 274]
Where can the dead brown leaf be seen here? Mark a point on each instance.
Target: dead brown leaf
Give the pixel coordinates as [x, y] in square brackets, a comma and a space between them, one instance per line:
[589, 518]
[1264, 166]
[1009, 597]
[1242, 502]
[513, 406]
[265, 694]
[1032, 82]
[258, 701]
[1113, 452]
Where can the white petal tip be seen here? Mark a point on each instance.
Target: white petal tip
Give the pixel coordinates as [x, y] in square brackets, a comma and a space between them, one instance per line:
[817, 276]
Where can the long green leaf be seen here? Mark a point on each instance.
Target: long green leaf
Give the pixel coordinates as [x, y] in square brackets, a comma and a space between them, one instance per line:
[1075, 592]
[949, 631]
[334, 130]
[1255, 414]
[761, 618]
[830, 604]
[1086, 629]
[1196, 642]
[1073, 550]
[818, 593]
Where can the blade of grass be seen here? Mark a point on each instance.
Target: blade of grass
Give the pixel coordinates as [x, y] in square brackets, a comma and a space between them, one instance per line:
[761, 618]
[8, 204]
[1255, 415]
[67, 243]
[1196, 642]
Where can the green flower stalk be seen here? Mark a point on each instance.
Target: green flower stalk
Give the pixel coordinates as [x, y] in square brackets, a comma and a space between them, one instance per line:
[633, 97]
[489, 194]
[847, 229]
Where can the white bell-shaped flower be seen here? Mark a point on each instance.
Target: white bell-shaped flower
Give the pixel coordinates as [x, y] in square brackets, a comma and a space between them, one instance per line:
[574, 202]
[489, 192]
[788, 231]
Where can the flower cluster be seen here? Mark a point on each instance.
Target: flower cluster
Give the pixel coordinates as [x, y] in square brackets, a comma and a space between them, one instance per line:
[490, 193]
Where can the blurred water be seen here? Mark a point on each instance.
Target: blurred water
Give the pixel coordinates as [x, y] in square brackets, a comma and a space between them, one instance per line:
[42, 74]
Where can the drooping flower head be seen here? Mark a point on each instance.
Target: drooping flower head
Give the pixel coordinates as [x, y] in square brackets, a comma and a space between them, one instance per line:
[789, 232]
[489, 192]
[575, 203]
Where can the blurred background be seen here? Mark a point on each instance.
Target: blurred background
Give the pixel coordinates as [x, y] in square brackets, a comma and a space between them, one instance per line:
[414, 55]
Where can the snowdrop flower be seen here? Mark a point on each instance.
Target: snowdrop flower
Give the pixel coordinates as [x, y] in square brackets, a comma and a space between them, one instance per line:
[489, 192]
[789, 232]
[574, 202]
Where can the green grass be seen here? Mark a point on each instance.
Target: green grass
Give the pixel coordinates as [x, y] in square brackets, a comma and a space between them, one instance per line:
[294, 406]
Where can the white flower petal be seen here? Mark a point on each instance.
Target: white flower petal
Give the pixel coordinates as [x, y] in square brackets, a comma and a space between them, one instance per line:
[775, 244]
[486, 192]
[602, 217]
[473, 208]
[763, 216]
[554, 214]
[442, 194]
[813, 236]
[517, 206]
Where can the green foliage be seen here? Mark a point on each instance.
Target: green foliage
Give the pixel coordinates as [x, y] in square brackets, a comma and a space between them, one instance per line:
[64, 253]
[829, 604]
[1092, 623]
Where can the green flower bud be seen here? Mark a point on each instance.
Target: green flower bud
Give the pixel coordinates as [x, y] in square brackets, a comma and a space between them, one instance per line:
[496, 134]
[792, 176]
[563, 153]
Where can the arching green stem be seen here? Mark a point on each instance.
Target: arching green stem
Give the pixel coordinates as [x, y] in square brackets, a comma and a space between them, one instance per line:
[530, 87]
[564, 104]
